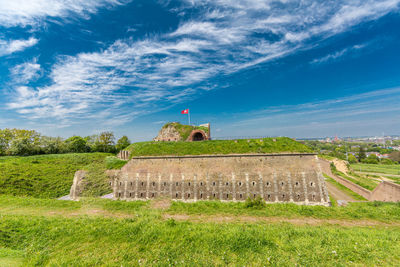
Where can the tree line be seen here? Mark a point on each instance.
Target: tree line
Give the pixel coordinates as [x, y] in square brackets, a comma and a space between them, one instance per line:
[20, 142]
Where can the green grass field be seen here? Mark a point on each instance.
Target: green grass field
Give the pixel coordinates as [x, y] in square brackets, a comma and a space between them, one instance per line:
[265, 145]
[95, 232]
[47, 176]
[377, 168]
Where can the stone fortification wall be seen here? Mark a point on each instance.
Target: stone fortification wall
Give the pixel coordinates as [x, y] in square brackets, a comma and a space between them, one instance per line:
[275, 177]
[386, 191]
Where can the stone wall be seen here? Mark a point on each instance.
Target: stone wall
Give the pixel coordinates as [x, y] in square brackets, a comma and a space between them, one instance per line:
[168, 133]
[386, 191]
[124, 154]
[274, 177]
[78, 185]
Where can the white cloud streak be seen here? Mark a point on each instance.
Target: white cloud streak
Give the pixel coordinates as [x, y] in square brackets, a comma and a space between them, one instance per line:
[134, 77]
[13, 46]
[338, 54]
[33, 12]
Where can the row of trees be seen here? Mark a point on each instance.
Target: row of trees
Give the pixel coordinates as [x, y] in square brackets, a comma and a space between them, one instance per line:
[372, 158]
[28, 142]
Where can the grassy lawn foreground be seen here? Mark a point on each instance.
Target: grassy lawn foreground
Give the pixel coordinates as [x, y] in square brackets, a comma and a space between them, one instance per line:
[51, 232]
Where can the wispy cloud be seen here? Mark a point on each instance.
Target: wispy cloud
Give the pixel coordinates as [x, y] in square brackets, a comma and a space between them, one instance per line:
[33, 12]
[338, 54]
[135, 77]
[343, 113]
[12, 46]
[26, 72]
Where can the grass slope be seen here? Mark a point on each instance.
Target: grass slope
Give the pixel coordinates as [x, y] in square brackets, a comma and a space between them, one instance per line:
[362, 181]
[47, 176]
[377, 168]
[265, 145]
[343, 188]
[49, 232]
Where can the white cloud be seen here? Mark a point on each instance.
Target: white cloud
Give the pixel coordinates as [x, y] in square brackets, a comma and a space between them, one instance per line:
[12, 46]
[338, 54]
[136, 77]
[32, 12]
[25, 72]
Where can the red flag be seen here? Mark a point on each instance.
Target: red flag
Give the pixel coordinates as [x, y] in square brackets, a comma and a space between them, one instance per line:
[185, 111]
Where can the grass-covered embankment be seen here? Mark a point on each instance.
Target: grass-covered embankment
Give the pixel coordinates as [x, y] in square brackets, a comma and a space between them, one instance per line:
[365, 182]
[343, 188]
[115, 233]
[243, 146]
[376, 168]
[50, 176]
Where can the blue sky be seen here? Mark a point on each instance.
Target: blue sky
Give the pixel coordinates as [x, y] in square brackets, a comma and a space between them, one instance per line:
[250, 67]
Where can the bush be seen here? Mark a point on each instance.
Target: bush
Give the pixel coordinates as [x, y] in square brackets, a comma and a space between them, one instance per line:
[352, 159]
[256, 203]
[387, 162]
[372, 159]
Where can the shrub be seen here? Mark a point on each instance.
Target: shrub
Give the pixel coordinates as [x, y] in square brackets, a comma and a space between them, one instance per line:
[352, 159]
[256, 203]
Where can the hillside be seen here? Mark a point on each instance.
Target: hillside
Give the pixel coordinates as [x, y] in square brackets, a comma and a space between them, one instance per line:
[47, 176]
[243, 146]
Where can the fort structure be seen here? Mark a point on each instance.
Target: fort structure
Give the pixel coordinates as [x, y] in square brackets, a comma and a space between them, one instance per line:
[174, 131]
[276, 178]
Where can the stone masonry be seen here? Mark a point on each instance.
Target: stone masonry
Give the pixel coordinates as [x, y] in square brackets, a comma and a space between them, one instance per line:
[293, 178]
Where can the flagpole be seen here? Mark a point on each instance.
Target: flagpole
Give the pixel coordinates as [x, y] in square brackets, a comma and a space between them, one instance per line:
[189, 115]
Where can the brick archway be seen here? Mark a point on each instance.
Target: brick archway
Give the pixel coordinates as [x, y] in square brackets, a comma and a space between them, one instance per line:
[197, 135]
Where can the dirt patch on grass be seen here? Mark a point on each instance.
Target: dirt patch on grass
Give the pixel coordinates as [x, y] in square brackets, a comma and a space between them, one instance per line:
[253, 219]
[161, 204]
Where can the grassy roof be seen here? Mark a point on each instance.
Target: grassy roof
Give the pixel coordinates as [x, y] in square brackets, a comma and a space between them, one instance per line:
[244, 146]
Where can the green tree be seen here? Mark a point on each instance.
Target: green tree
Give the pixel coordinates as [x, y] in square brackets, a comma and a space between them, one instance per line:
[24, 142]
[361, 154]
[352, 159]
[122, 143]
[53, 145]
[21, 147]
[5, 139]
[372, 159]
[76, 144]
[106, 142]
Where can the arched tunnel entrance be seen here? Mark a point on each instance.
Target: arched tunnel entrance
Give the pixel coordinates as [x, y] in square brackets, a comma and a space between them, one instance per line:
[197, 135]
